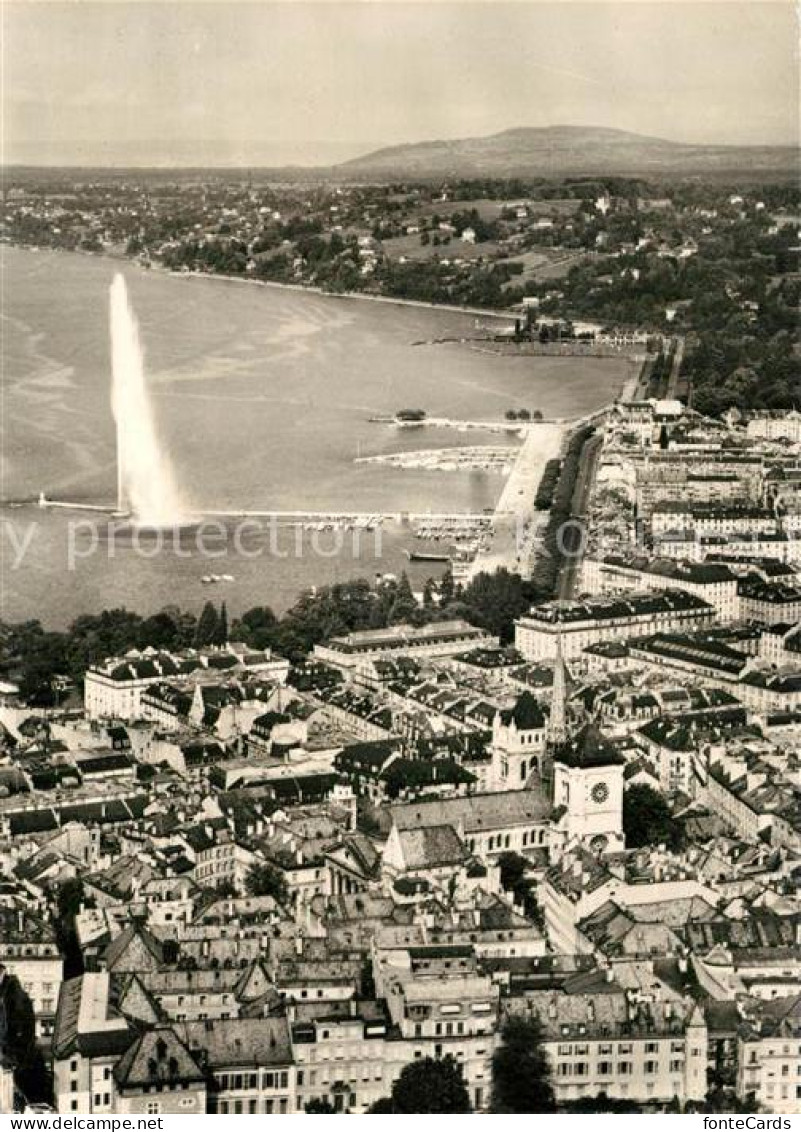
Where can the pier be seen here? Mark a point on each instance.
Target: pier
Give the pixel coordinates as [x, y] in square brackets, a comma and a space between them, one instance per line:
[293, 518]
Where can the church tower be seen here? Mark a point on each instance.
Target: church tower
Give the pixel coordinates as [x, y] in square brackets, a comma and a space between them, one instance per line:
[518, 744]
[588, 791]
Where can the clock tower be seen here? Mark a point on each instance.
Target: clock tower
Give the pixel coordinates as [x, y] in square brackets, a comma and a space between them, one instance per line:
[588, 792]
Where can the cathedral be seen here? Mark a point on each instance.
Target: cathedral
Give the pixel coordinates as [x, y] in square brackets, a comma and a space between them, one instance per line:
[573, 764]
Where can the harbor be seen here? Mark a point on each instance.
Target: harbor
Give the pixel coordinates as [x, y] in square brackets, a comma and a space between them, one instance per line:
[477, 458]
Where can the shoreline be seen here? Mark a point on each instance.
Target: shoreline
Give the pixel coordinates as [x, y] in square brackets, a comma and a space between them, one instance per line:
[505, 547]
[628, 385]
[308, 288]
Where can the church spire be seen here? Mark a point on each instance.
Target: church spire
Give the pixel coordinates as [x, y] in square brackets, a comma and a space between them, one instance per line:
[557, 726]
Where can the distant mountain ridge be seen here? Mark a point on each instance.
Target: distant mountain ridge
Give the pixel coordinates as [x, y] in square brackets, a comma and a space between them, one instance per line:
[581, 150]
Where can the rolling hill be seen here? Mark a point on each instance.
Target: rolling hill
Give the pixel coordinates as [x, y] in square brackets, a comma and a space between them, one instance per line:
[560, 150]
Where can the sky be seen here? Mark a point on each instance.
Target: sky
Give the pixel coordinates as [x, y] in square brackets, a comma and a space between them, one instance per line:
[211, 82]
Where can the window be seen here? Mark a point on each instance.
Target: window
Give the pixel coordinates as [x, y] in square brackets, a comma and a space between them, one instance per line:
[153, 1107]
[651, 1067]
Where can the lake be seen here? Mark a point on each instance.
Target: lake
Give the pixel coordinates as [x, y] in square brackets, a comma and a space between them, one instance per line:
[262, 398]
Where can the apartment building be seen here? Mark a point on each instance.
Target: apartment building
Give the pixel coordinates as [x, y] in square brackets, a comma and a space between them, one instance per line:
[714, 583]
[249, 1063]
[769, 603]
[708, 520]
[578, 624]
[647, 1045]
[29, 951]
[769, 1055]
[114, 688]
[442, 1004]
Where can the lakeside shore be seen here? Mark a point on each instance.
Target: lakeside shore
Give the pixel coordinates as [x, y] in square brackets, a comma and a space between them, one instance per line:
[309, 288]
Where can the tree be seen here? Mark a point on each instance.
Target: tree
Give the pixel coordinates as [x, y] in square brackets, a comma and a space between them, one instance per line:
[602, 1103]
[206, 626]
[266, 880]
[447, 588]
[495, 601]
[320, 1105]
[647, 819]
[159, 632]
[404, 606]
[428, 1085]
[382, 1105]
[221, 628]
[18, 1046]
[521, 1072]
[256, 627]
[515, 880]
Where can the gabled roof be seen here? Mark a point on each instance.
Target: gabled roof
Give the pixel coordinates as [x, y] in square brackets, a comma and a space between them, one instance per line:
[131, 936]
[158, 1057]
[477, 812]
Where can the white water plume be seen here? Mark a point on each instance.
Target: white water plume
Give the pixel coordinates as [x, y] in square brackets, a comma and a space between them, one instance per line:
[145, 483]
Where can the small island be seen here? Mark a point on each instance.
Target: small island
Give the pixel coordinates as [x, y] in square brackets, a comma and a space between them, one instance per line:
[410, 416]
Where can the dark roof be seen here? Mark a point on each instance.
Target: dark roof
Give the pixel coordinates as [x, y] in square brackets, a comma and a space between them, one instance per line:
[588, 748]
[527, 713]
[157, 1057]
[239, 1041]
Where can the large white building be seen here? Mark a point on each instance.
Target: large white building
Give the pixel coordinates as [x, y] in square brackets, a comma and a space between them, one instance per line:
[644, 1045]
[113, 689]
[441, 638]
[715, 583]
[598, 619]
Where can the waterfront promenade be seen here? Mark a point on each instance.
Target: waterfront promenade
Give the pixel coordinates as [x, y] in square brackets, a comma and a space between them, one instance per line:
[515, 524]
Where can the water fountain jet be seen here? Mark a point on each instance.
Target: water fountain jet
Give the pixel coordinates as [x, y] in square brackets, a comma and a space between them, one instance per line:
[146, 488]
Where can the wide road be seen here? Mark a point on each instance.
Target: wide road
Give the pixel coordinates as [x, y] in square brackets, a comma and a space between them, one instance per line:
[569, 574]
[673, 378]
